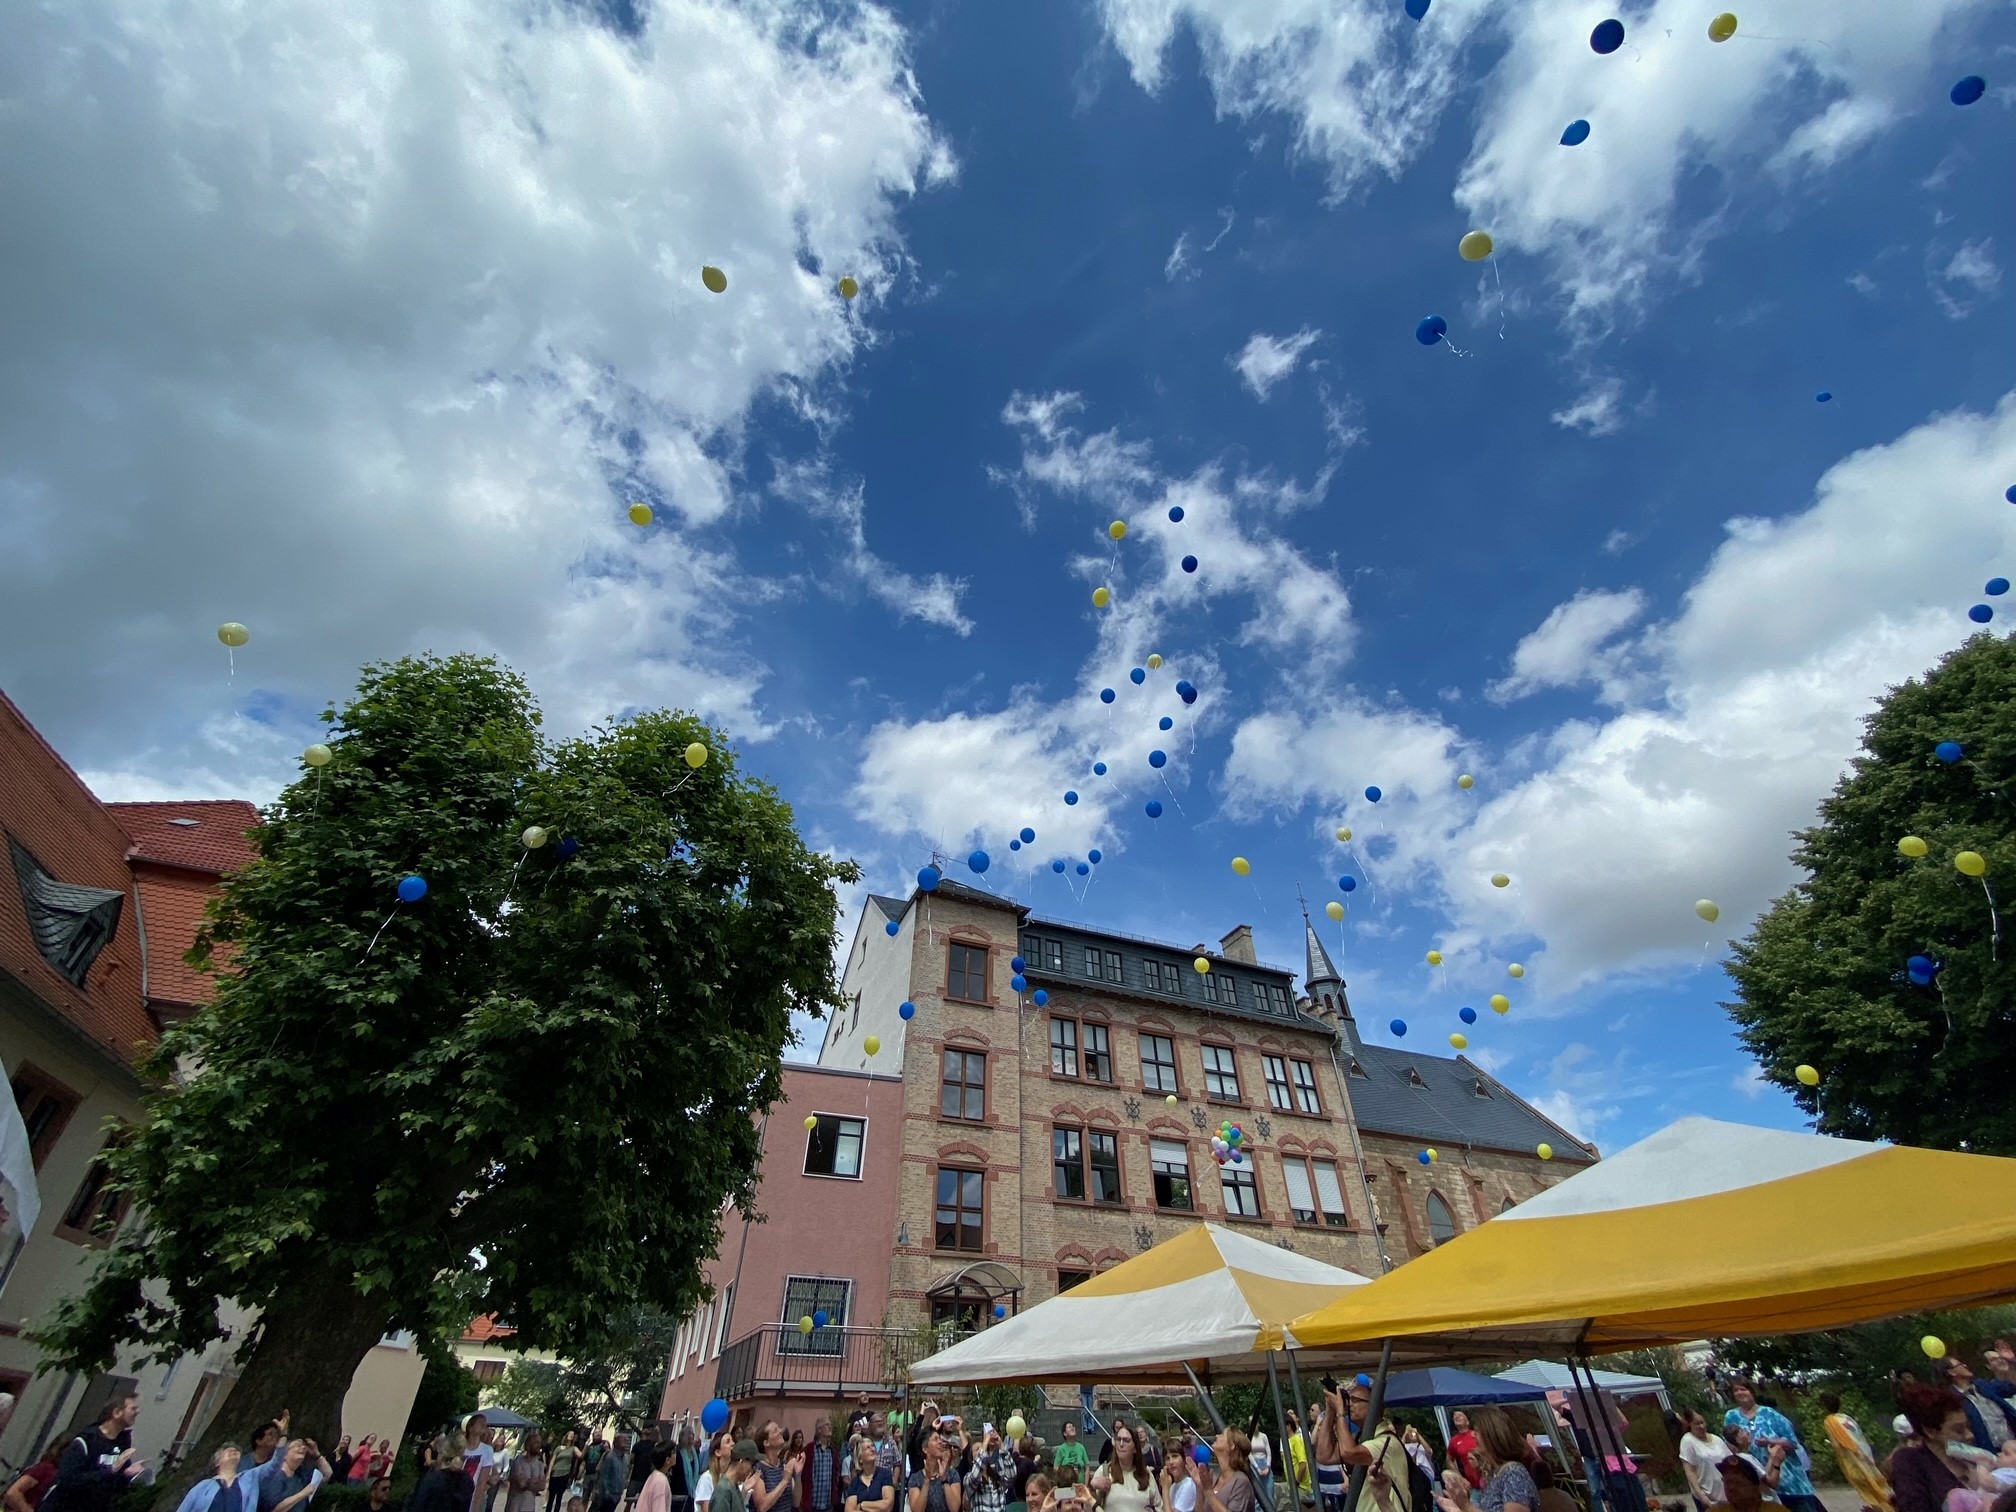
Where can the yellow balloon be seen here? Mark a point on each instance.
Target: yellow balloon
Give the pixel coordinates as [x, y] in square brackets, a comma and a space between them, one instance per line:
[317, 755]
[811, 1122]
[640, 514]
[1971, 863]
[533, 837]
[1499, 879]
[1707, 909]
[233, 634]
[1458, 1042]
[1117, 529]
[1723, 27]
[1545, 1152]
[872, 1044]
[1500, 1003]
[1335, 910]
[1515, 970]
[1101, 597]
[1201, 965]
[1466, 782]
[1808, 1077]
[1912, 846]
[1343, 835]
[805, 1325]
[1434, 958]
[1016, 1427]
[696, 755]
[849, 288]
[1433, 1154]
[1170, 1099]
[1475, 246]
[1242, 866]
[1934, 1347]
[1154, 660]
[715, 279]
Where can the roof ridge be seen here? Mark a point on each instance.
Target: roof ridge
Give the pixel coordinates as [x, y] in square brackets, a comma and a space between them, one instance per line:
[139, 803]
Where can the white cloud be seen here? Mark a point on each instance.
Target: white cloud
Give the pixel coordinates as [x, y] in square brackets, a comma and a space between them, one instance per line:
[393, 313]
[1618, 542]
[1750, 1083]
[1596, 410]
[1180, 263]
[1970, 277]
[933, 599]
[1863, 284]
[1265, 360]
[1574, 645]
[1582, 1119]
[1751, 707]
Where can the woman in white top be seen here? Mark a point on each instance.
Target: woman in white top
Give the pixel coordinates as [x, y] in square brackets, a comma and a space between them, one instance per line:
[1179, 1487]
[1701, 1452]
[716, 1471]
[1123, 1483]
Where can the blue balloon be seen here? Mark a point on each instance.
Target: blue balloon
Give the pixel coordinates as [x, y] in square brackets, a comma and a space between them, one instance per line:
[1107, 695]
[1608, 36]
[1028, 835]
[1347, 883]
[1431, 329]
[1154, 808]
[979, 861]
[1920, 965]
[1176, 513]
[1968, 90]
[1576, 134]
[569, 847]
[1000, 1309]
[1094, 857]
[1165, 723]
[1018, 966]
[1399, 1028]
[1201, 1454]
[1057, 866]
[412, 889]
[1040, 997]
[1098, 769]
[1018, 983]
[1084, 870]
[1372, 795]
[891, 928]
[1468, 1015]
[1186, 690]
[1138, 676]
[1981, 614]
[928, 878]
[1417, 8]
[714, 1416]
[1948, 751]
[1996, 587]
[1014, 845]
[907, 1012]
[1189, 564]
[1823, 397]
[1422, 1157]
[819, 1318]
[2011, 494]
[1070, 798]
[1158, 759]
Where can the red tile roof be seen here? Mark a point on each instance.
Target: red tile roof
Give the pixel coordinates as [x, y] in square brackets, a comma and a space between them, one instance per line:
[211, 838]
[483, 1329]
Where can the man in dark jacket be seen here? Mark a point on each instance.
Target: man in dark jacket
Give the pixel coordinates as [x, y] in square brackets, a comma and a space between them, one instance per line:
[98, 1464]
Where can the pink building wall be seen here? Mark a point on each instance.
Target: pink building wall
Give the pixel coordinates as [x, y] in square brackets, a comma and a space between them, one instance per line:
[825, 1226]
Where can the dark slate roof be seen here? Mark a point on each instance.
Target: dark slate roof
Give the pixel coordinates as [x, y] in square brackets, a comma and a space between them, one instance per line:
[1446, 1109]
[892, 908]
[1317, 966]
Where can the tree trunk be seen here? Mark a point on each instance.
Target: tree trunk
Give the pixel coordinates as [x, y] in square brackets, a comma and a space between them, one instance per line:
[310, 1346]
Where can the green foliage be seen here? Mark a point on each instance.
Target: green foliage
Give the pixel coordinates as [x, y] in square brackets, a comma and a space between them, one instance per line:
[565, 1088]
[448, 1390]
[616, 1375]
[1687, 1388]
[1821, 979]
[531, 1388]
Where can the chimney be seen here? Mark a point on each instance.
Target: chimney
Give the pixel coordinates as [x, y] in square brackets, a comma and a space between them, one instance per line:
[1237, 945]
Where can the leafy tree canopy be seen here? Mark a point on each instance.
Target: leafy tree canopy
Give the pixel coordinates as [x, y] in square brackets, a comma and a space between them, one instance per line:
[1823, 980]
[529, 1093]
[617, 1375]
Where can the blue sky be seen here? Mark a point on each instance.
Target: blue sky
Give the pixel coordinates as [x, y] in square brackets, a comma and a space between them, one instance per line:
[364, 336]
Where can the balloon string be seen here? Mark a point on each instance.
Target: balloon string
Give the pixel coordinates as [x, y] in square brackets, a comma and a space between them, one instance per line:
[1454, 350]
[232, 657]
[1994, 920]
[381, 929]
[318, 792]
[1501, 298]
[522, 854]
[1256, 894]
[1172, 796]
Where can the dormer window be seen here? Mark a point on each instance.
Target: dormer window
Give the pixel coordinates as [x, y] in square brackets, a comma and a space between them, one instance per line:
[1356, 1069]
[1482, 1090]
[1414, 1079]
[70, 924]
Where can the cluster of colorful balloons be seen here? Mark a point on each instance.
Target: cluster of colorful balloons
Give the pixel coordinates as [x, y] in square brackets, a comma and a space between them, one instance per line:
[1228, 1145]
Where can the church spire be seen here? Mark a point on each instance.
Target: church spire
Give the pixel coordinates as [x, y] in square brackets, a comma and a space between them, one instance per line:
[1318, 967]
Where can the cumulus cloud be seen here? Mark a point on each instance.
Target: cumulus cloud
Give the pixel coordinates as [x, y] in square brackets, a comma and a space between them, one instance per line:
[1575, 644]
[1751, 706]
[1265, 360]
[362, 326]
[1968, 278]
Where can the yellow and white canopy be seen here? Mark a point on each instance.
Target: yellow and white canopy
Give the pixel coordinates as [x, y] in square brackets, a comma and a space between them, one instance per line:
[1208, 1297]
[1705, 1230]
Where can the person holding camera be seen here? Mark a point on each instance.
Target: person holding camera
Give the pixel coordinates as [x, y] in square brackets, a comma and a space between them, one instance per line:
[990, 1477]
[936, 1486]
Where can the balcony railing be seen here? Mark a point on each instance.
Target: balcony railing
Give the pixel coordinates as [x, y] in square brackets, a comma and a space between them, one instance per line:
[777, 1360]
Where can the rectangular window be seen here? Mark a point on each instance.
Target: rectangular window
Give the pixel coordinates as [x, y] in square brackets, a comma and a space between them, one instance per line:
[46, 1105]
[1221, 1073]
[1330, 1193]
[1098, 1054]
[1275, 1068]
[1271, 997]
[806, 1297]
[1039, 954]
[1158, 1063]
[1221, 989]
[1066, 1279]
[97, 1210]
[1163, 976]
[1063, 1047]
[1171, 1159]
[1103, 965]
[488, 1370]
[1103, 1152]
[964, 1090]
[727, 1311]
[1242, 1193]
[1301, 1194]
[966, 978]
[960, 1217]
[1305, 1086]
[1067, 1164]
[833, 1146]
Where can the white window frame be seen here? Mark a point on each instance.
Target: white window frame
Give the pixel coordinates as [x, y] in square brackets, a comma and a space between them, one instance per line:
[860, 1147]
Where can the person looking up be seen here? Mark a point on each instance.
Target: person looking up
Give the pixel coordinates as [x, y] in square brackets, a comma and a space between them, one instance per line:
[218, 1491]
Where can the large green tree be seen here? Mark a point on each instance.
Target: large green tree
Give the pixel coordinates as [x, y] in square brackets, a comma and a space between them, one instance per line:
[616, 1375]
[1822, 978]
[529, 1093]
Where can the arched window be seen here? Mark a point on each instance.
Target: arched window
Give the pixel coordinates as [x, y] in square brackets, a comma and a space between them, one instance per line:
[1441, 1222]
[1509, 1204]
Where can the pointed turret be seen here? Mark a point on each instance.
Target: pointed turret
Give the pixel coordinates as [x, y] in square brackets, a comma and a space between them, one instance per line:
[1319, 968]
[1324, 985]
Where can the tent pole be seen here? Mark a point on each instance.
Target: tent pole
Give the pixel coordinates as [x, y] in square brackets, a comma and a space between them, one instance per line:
[1282, 1452]
[1372, 1411]
[1610, 1430]
[1590, 1401]
[1210, 1407]
[1308, 1443]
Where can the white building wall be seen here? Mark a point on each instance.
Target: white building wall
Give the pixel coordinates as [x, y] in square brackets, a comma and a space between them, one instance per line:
[876, 982]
